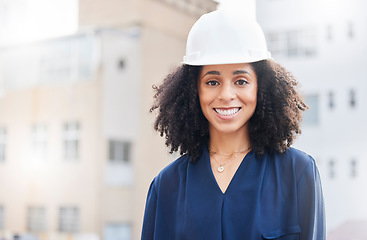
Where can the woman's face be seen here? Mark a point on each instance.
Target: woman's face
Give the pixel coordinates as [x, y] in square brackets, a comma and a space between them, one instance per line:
[228, 95]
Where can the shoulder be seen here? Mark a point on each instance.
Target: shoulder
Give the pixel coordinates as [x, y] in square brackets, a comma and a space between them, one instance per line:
[301, 161]
[175, 167]
[292, 162]
[172, 174]
[290, 156]
[300, 157]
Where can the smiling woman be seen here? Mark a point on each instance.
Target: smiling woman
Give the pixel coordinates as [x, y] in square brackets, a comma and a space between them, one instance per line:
[227, 95]
[233, 113]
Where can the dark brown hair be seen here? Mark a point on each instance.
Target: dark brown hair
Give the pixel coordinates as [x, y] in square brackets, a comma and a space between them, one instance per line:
[272, 128]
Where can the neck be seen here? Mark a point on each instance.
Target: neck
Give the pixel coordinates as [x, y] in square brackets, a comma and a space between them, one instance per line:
[228, 143]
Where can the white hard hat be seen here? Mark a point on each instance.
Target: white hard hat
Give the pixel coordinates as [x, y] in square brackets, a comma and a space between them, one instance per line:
[223, 38]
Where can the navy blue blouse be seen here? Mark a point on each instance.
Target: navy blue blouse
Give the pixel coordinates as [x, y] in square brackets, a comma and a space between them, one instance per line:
[276, 196]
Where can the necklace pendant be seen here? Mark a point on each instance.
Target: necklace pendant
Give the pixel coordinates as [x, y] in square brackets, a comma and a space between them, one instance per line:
[220, 169]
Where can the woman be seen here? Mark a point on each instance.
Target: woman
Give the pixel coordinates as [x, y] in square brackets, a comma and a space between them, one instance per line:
[233, 113]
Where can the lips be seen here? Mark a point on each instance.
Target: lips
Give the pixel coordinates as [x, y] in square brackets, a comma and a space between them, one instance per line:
[227, 111]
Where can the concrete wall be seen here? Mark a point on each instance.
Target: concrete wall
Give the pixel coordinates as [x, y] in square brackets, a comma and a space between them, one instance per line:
[134, 45]
[54, 181]
[337, 67]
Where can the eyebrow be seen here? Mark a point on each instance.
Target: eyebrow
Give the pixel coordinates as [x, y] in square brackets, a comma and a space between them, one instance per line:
[241, 72]
[212, 73]
[234, 73]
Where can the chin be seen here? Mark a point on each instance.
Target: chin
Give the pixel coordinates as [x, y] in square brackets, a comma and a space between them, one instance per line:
[229, 129]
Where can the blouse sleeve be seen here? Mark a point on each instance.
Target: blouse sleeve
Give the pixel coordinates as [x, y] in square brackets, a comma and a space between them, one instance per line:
[149, 215]
[311, 204]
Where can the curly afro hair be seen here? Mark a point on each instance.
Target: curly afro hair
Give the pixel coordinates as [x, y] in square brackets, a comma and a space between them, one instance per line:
[272, 128]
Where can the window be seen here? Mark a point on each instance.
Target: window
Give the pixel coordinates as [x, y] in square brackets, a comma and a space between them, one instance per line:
[331, 100]
[119, 171]
[119, 151]
[329, 33]
[275, 43]
[38, 141]
[2, 144]
[121, 231]
[121, 64]
[70, 59]
[62, 60]
[71, 140]
[4, 16]
[332, 169]
[36, 219]
[311, 115]
[55, 63]
[69, 219]
[293, 43]
[2, 217]
[352, 98]
[353, 168]
[350, 30]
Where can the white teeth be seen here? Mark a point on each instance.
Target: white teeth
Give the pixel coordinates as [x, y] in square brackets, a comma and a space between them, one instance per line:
[227, 112]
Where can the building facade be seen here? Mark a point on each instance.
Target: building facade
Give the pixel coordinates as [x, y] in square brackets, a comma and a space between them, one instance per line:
[77, 149]
[323, 43]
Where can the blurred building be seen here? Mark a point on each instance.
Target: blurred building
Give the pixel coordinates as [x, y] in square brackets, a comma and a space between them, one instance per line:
[323, 43]
[77, 149]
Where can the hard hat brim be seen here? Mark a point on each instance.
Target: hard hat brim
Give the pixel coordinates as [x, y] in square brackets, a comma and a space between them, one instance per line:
[197, 60]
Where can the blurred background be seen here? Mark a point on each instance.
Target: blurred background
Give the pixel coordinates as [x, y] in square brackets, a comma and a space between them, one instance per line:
[77, 149]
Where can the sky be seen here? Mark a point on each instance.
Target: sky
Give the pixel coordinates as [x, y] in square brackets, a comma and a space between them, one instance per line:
[243, 6]
[32, 20]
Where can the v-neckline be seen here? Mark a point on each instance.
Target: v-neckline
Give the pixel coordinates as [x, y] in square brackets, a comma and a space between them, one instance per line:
[234, 175]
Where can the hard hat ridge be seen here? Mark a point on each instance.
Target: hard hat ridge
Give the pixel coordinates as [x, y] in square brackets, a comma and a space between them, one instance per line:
[222, 38]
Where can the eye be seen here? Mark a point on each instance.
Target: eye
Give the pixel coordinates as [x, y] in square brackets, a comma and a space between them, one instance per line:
[212, 83]
[241, 82]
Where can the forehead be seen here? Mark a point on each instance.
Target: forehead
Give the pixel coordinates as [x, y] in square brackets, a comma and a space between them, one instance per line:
[228, 68]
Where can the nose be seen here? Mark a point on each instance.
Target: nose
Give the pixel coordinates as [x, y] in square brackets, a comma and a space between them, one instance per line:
[227, 92]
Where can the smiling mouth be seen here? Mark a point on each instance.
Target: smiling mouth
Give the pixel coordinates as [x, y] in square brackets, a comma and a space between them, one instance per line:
[227, 112]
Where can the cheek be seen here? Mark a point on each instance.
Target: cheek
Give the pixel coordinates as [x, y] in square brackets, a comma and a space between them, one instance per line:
[249, 97]
[254, 103]
[205, 100]
[203, 103]
[204, 97]
[254, 96]
[201, 99]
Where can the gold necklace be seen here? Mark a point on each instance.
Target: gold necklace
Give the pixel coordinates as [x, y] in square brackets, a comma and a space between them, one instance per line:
[220, 169]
